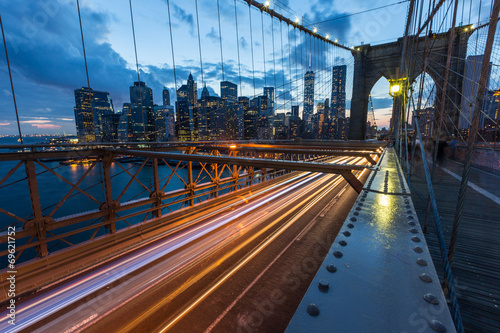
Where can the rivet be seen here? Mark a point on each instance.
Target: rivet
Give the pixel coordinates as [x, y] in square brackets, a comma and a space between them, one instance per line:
[431, 299]
[415, 239]
[424, 277]
[313, 309]
[323, 285]
[409, 211]
[356, 213]
[413, 231]
[353, 219]
[358, 208]
[331, 268]
[350, 225]
[437, 326]
[407, 201]
[410, 217]
[418, 249]
[421, 262]
[361, 199]
[411, 223]
[346, 233]
[338, 254]
[408, 206]
[343, 243]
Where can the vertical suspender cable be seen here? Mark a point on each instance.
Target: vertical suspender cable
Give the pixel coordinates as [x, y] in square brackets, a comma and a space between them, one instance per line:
[282, 64]
[251, 48]
[199, 42]
[263, 47]
[274, 63]
[220, 41]
[137, 67]
[172, 46]
[237, 43]
[289, 66]
[11, 82]
[83, 43]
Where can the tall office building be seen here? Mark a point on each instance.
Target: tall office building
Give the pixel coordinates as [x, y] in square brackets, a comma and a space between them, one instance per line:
[90, 108]
[469, 94]
[187, 111]
[102, 106]
[229, 92]
[295, 111]
[338, 92]
[84, 115]
[125, 124]
[166, 96]
[269, 93]
[164, 122]
[308, 97]
[192, 92]
[142, 112]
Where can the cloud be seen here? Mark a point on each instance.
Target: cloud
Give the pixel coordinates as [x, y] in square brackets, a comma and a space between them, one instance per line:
[4, 124]
[182, 16]
[213, 35]
[46, 126]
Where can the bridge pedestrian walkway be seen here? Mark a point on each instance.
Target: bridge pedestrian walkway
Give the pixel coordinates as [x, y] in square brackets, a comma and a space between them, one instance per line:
[476, 264]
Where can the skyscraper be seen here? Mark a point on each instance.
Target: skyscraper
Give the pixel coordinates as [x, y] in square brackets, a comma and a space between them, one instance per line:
[102, 106]
[142, 112]
[338, 92]
[192, 92]
[229, 92]
[470, 84]
[84, 115]
[269, 92]
[166, 96]
[187, 111]
[308, 97]
[295, 111]
[90, 108]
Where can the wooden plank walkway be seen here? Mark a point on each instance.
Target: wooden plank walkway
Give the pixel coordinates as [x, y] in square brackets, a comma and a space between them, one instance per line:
[476, 266]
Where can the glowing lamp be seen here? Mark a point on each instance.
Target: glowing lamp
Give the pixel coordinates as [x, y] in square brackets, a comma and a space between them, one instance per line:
[232, 146]
[267, 3]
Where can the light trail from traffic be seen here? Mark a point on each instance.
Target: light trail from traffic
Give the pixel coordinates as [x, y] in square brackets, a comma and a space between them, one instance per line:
[215, 229]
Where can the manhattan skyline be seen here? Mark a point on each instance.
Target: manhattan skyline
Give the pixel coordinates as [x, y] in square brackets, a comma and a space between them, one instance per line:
[43, 68]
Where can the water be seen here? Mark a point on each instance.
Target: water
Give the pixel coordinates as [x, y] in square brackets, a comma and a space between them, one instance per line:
[15, 197]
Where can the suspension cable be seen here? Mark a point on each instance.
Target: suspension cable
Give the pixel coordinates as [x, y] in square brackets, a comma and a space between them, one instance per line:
[220, 41]
[251, 47]
[11, 83]
[199, 42]
[263, 47]
[83, 43]
[237, 43]
[172, 46]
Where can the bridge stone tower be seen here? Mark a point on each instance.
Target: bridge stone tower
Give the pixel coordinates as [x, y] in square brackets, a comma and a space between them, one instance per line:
[373, 62]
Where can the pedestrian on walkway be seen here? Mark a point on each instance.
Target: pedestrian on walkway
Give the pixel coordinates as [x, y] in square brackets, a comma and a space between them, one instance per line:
[453, 146]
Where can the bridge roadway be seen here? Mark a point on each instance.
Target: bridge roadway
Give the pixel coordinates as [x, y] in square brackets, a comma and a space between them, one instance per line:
[242, 266]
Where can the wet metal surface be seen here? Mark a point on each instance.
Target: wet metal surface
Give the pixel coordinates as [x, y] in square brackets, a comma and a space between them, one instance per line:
[383, 280]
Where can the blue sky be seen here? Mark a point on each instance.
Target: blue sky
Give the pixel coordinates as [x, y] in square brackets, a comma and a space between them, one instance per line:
[45, 51]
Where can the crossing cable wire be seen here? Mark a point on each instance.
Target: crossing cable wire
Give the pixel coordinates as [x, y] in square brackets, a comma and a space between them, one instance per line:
[220, 41]
[172, 46]
[83, 43]
[473, 129]
[199, 44]
[251, 47]
[237, 43]
[11, 83]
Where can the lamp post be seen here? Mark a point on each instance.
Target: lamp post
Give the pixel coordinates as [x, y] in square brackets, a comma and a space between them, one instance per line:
[397, 90]
[497, 93]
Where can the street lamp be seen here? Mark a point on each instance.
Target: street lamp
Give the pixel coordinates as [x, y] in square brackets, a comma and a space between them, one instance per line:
[396, 86]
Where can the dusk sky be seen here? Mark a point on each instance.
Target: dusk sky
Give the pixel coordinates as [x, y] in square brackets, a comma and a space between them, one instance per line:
[45, 51]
